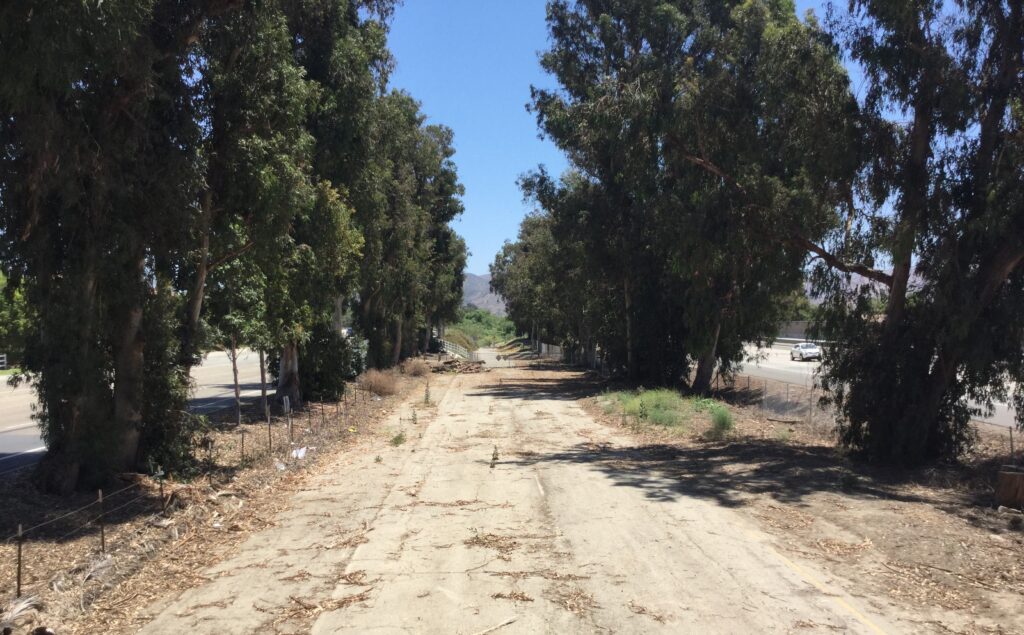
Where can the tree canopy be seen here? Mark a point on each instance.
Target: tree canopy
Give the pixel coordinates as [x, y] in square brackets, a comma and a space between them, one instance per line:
[177, 176]
[719, 158]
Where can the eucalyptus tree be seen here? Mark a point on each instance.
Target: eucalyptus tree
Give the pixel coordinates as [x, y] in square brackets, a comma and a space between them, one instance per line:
[938, 228]
[714, 137]
[100, 168]
[406, 197]
[312, 265]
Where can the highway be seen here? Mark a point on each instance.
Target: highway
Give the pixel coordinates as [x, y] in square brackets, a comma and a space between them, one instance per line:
[775, 363]
[20, 442]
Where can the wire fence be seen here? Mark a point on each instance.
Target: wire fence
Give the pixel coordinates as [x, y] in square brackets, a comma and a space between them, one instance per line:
[278, 442]
[801, 405]
[779, 401]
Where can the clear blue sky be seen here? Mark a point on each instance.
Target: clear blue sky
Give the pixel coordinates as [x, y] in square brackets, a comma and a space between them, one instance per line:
[471, 64]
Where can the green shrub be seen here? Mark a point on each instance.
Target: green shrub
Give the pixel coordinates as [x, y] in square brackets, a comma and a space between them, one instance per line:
[721, 422]
[662, 407]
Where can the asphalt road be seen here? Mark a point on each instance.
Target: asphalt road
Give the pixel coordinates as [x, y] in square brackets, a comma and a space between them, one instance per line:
[20, 443]
[775, 363]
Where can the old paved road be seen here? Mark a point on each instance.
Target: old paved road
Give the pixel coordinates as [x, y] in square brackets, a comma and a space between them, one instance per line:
[20, 444]
[433, 539]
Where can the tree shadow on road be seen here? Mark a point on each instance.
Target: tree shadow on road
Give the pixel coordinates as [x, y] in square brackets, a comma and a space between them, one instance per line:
[736, 473]
[730, 474]
[572, 387]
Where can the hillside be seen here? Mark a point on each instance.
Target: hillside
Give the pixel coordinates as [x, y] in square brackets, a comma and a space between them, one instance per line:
[476, 290]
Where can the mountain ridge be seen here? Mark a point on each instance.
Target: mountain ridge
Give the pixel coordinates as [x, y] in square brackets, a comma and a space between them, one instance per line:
[476, 291]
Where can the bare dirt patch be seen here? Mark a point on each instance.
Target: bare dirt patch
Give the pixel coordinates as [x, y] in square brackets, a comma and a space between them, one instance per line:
[930, 540]
[156, 547]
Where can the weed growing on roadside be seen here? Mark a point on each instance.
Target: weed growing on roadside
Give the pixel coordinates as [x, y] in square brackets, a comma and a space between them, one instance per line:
[377, 459]
[704, 404]
[378, 382]
[398, 439]
[662, 407]
[721, 422]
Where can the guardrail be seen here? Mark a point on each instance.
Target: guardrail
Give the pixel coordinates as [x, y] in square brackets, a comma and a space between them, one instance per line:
[455, 349]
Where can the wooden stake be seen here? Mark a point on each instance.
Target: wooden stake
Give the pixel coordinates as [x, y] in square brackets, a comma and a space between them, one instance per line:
[103, 529]
[21, 538]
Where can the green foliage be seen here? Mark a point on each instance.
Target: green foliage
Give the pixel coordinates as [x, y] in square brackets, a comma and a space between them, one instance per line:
[662, 407]
[714, 147]
[478, 328]
[407, 193]
[797, 307]
[168, 432]
[398, 439]
[172, 444]
[330, 361]
[937, 340]
[722, 423]
[179, 176]
[688, 127]
[15, 322]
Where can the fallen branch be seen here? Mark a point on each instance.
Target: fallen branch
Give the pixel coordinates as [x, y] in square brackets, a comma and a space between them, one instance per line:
[497, 626]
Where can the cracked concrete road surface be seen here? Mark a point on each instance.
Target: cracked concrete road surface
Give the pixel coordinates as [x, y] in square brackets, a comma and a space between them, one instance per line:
[489, 519]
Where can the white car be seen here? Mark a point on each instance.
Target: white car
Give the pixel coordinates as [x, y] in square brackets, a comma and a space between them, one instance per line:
[804, 351]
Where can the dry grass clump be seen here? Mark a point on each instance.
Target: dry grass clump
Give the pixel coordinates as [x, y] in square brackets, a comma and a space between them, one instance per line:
[379, 382]
[415, 367]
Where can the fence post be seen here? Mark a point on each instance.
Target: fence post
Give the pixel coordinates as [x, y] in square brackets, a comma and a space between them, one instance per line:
[764, 396]
[323, 417]
[21, 538]
[270, 439]
[103, 529]
[160, 479]
[242, 459]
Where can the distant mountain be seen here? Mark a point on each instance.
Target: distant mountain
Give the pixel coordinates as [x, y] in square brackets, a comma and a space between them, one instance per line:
[476, 290]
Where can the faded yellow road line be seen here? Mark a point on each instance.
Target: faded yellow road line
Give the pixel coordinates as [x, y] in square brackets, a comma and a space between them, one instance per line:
[824, 588]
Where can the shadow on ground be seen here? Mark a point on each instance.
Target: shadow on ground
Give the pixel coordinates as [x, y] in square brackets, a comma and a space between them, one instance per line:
[569, 388]
[734, 473]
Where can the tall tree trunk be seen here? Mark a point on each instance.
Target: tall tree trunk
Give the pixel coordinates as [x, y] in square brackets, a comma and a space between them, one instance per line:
[72, 418]
[632, 367]
[129, 375]
[234, 373]
[915, 184]
[921, 419]
[288, 375]
[396, 351]
[198, 291]
[263, 385]
[706, 364]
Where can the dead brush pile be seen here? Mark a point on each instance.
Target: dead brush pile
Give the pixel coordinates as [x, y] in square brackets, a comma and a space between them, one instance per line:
[415, 367]
[379, 382]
